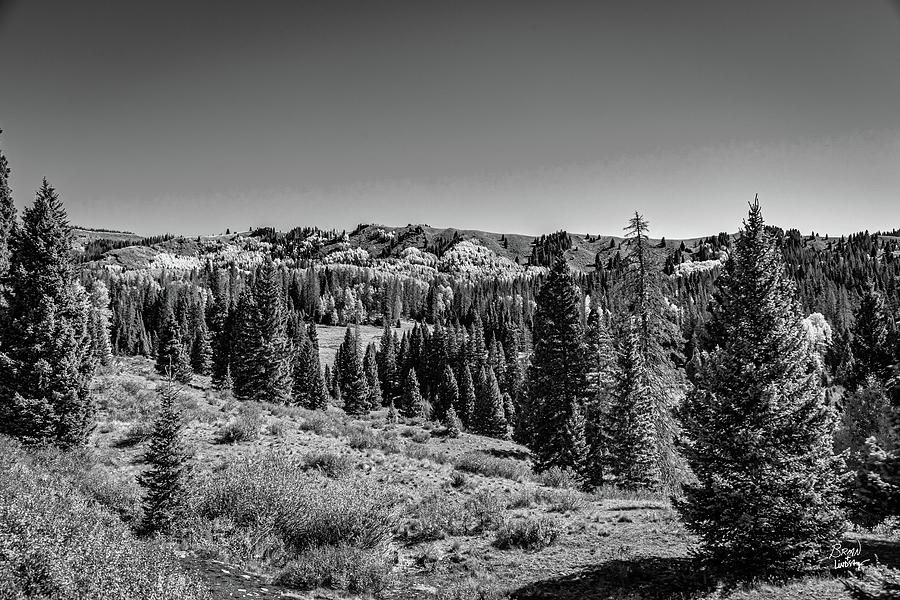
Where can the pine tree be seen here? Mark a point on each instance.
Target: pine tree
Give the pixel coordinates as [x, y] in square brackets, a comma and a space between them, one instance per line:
[447, 397]
[656, 338]
[632, 434]
[354, 389]
[373, 383]
[866, 413]
[869, 339]
[758, 431]
[7, 214]
[558, 372]
[454, 426]
[245, 377]
[877, 484]
[201, 351]
[412, 405]
[100, 315]
[164, 480]
[223, 323]
[271, 356]
[46, 355]
[387, 363]
[467, 399]
[491, 414]
[171, 356]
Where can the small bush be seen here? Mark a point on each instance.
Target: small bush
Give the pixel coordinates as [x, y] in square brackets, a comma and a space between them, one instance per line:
[564, 500]
[243, 428]
[528, 534]
[276, 428]
[332, 465]
[458, 480]
[558, 478]
[136, 433]
[425, 453]
[490, 466]
[338, 568]
[437, 516]
[323, 424]
[421, 437]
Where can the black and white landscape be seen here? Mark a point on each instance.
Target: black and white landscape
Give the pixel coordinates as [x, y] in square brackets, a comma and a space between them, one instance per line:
[450, 301]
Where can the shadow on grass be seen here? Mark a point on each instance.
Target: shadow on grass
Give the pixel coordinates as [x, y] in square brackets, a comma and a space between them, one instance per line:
[651, 577]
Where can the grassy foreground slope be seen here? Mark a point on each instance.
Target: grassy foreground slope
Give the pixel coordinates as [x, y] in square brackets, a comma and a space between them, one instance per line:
[292, 503]
[401, 511]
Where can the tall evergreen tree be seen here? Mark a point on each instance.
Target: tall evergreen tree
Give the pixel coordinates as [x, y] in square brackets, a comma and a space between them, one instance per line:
[758, 430]
[171, 355]
[46, 355]
[354, 389]
[489, 411]
[869, 345]
[373, 382]
[467, 399]
[447, 396]
[261, 363]
[656, 337]
[271, 357]
[7, 214]
[411, 404]
[164, 481]
[201, 345]
[223, 323]
[632, 430]
[877, 489]
[387, 363]
[558, 372]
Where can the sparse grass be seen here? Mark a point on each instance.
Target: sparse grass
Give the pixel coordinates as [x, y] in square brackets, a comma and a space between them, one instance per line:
[420, 437]
[528, 534]
[490, 466]
[557, 500]
[609, 492]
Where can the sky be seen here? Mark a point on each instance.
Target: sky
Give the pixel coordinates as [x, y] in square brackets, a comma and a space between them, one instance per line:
[191, 117]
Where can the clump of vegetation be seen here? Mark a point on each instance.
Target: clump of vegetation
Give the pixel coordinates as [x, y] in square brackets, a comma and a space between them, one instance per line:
[528, 534]
[60, 544]
[437, 516]
[268, 506]
[330, 464]
[242, 428]
[557, 478]
[339, 568]
[491, 466]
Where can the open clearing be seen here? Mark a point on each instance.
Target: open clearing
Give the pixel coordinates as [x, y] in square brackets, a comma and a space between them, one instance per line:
[608, 545]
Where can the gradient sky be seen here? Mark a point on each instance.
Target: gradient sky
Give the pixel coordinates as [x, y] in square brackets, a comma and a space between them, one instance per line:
[515, 116]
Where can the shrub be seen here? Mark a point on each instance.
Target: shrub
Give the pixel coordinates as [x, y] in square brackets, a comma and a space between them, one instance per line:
[117, 493]
[338, 568]
[528, 534]
[420, 437]
[256, 506]
[58, 544]
[458, 480]
[323, 424]
[436, 516]
[490, 466]
[242, 428]
[333, 465]
[276, 428]
[136, 433]
[557, 478]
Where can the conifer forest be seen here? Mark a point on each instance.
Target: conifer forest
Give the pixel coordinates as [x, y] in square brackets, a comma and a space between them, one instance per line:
[273, 389]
